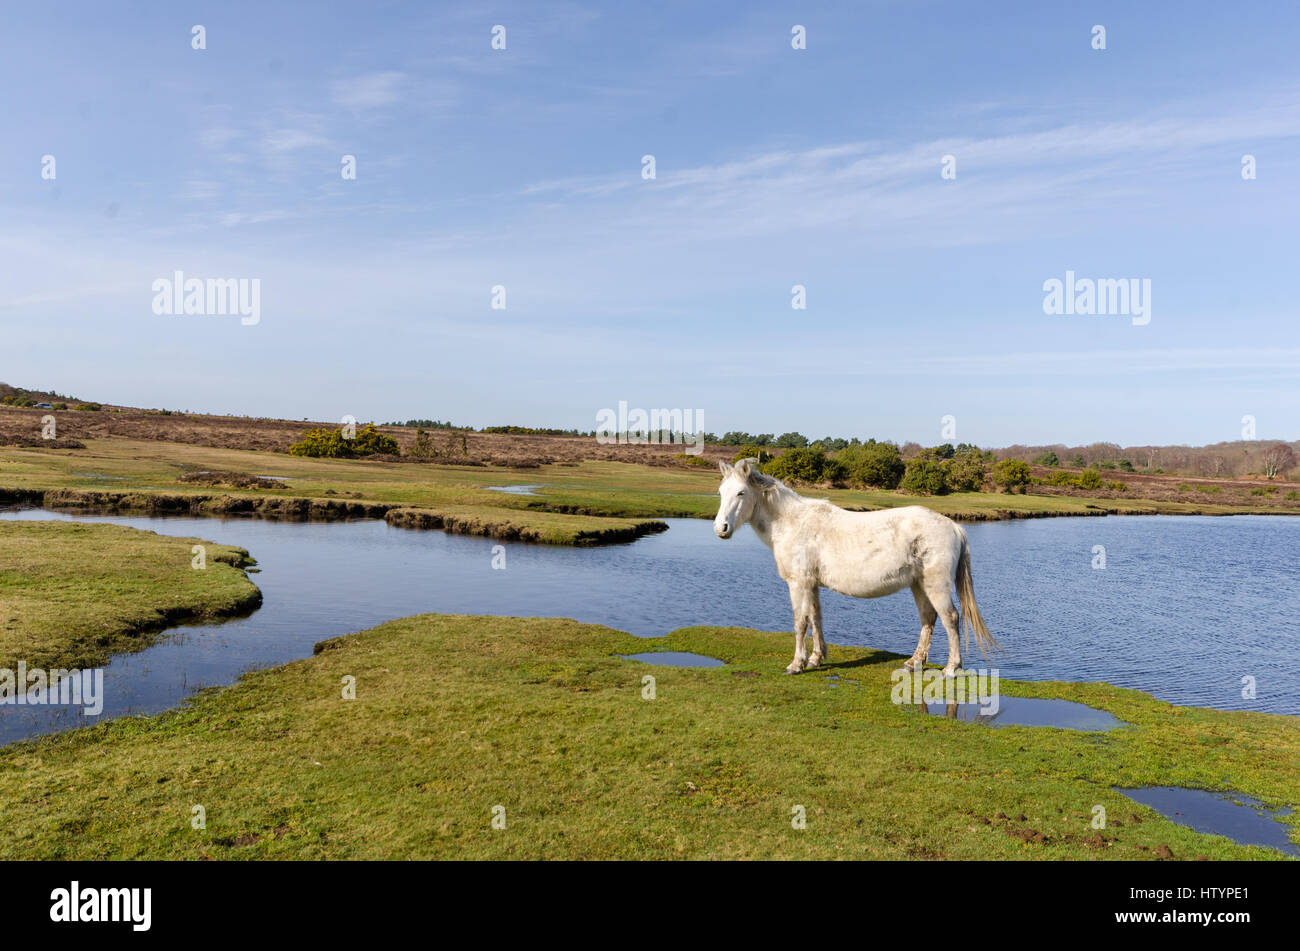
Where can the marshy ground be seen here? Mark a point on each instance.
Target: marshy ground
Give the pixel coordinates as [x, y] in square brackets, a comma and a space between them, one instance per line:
[455, 716]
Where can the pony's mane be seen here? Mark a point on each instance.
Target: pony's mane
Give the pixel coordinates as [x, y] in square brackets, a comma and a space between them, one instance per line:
[773, 488]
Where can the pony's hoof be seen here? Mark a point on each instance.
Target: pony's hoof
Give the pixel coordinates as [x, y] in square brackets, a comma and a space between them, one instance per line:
[950, 672]
[814, 662]
[912, 664]
[792, 669]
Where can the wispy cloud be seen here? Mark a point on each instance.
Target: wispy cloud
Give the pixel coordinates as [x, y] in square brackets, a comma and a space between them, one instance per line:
[370, 91]
[1003, 181]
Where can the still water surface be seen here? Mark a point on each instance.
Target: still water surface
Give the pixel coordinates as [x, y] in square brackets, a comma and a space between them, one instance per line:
[1184, 608]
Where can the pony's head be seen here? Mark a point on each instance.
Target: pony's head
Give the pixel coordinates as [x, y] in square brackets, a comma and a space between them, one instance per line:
[739, 491]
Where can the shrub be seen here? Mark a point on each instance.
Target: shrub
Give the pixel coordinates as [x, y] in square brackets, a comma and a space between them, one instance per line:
[1105, 465]
[835, 472]
[1293, 495]
[757, 453]
[875, 465]
[1117, 486]
[88, 407]
[327, 443]
[370, 441]
[1209, 489]
[687, 459]
[1089, 479]
[937, 453]
[330, 443]
[1048, 458]
[1060, 477]
[798, 465]
[1125, 466]
[965, 472]
[1011, 474]
[924, 477]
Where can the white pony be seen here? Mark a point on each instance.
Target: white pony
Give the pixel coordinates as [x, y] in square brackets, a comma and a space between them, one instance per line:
[863, 554]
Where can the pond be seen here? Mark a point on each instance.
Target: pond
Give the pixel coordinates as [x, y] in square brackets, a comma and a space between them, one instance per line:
[1184, 608]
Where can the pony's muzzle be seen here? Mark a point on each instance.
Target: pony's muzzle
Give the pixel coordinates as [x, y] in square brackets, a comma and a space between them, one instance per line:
[723, 530]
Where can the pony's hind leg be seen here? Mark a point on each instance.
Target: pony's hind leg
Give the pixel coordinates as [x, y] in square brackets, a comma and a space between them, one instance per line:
[940, 595]
[928, 616]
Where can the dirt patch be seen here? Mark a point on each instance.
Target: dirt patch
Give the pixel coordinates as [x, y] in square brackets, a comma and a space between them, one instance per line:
[27, 441]
[230, 480]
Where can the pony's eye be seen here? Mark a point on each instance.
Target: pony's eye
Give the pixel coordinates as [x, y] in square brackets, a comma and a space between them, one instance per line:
[740, 493]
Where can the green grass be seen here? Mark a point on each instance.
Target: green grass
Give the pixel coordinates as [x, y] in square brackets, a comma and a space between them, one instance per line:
[72, 594]
[456, 715]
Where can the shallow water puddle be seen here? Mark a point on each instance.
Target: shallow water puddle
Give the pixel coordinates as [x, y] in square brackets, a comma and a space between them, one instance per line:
[1027, 711]
[675, 659]
[514, 489]
[1232, 815]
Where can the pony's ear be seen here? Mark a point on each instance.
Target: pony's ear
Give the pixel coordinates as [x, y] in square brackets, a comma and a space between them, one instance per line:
[724, 467]
[743, 468]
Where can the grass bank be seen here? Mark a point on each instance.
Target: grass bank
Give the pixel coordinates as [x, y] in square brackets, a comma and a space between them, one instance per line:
[454, 716]
[73, 594]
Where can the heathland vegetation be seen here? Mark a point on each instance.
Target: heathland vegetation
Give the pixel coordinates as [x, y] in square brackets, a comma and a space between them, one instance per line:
[587, 492]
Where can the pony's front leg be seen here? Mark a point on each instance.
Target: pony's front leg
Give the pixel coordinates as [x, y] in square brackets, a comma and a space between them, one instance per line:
[800, 600]
[815, 629]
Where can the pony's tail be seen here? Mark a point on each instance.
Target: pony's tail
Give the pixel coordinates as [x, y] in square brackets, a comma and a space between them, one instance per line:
[971, 620]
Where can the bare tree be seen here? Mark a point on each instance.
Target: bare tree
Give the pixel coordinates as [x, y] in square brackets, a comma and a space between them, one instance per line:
[1277, 459]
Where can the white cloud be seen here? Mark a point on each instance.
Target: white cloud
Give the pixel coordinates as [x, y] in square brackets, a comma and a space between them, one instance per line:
[367, 92]
[279, 141]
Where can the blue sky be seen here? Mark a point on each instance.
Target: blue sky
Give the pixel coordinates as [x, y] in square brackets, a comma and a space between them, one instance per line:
[774, 167]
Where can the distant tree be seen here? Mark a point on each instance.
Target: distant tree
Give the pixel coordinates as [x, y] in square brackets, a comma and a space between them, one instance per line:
[875, 465]
[798, 465]
[965, 471]
[924, 477]
[1077, 462]
[1277, 459]
[1048, 458]
[791, 441]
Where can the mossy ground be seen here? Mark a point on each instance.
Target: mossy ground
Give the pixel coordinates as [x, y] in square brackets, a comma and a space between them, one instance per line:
[457, 715]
